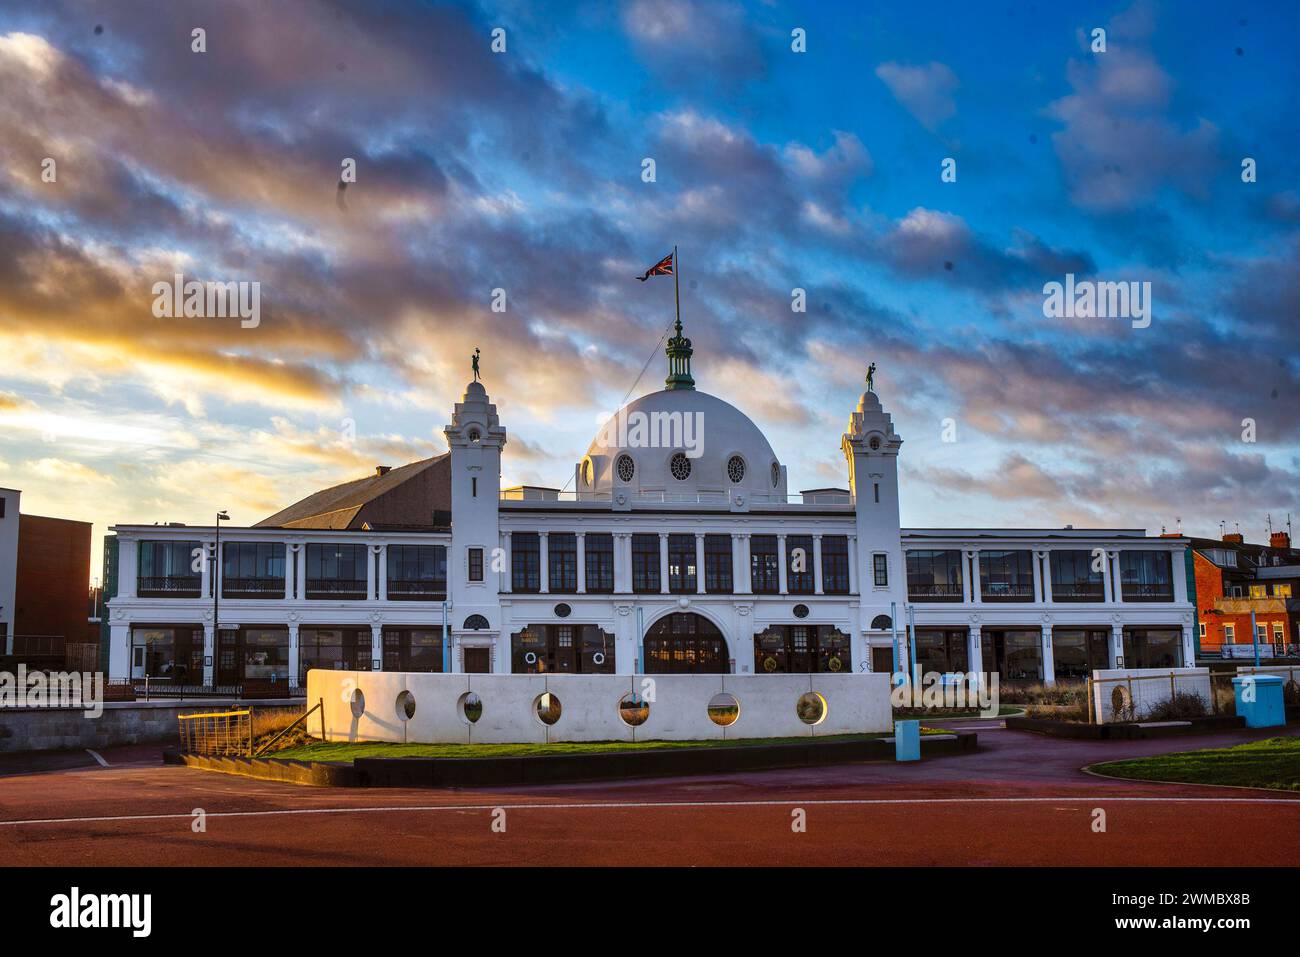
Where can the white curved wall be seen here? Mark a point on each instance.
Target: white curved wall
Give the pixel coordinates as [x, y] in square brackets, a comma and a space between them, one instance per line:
[589, 706]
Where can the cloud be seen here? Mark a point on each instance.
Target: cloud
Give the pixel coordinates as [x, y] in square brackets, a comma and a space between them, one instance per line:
[924, 91]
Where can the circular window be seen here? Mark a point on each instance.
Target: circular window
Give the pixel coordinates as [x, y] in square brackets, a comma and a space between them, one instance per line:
[625, 467]
[736, 469]
[811, 708]
[358, 703]
[633, 709]
[405, 706]
[724, 709]
[586, 472]
[680, 466]
[776, 475]
[563, 610]
[470, 707]
[874, 443]
[547, 708]
[801, 611]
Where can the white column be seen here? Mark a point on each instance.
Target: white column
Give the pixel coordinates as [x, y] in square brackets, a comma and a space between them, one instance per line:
[781, 563]
[1035, 567]
[582, 563]
[1116, 645]
[975, 649]
[1049, 661]
[663, 563]
[377, 647]
[301, 554]
[119, 650]
[971, 559]
[372, 552]
[506, 581]
[1178, 571]
[544, 561]
[699, 563]
[740, 583]
[1116, 580]
[210, 653]
[817, 565]
[289, 572]
[382, 572]
[622, 563]
[1189, 649]
[293, 654]
[853, 564]
[205, 573]
[128, 553]
[1047, 576]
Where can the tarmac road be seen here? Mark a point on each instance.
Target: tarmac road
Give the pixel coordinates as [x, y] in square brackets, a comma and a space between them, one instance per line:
[1021, 800]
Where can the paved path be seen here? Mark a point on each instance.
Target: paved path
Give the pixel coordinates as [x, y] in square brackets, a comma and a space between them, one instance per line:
[1020, 800]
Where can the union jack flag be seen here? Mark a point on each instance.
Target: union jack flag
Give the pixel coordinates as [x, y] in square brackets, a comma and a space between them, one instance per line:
[663, 267]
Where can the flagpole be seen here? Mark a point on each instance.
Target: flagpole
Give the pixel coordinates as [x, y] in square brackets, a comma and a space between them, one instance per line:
[677, 288]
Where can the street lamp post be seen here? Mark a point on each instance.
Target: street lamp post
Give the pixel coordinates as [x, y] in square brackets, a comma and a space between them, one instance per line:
[222, 516]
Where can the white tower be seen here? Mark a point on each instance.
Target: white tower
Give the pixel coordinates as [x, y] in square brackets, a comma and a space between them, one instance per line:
[871, 447]
[476, 438]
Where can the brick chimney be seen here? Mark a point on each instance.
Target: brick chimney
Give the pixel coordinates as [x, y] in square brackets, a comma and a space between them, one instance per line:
[383, 469]
[1279, 540]
[1236, 538]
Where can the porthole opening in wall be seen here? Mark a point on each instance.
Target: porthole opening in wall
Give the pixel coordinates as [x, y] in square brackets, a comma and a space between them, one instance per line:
[470, 707]
[811, 708]
[586, 472]
[801, 611]
[624, 468]
[680, 466]
[736, 469]
[776, 475]
[405, 706]
[724, 709]
[358, 703]
[547, 708]
[563, 610]
[633, 709]
[874, 443]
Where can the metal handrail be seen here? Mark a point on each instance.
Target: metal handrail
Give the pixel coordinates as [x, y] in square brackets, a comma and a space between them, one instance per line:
[319, 705]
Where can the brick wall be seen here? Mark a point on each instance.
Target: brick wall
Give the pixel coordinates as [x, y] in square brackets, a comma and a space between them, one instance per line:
[53, 579]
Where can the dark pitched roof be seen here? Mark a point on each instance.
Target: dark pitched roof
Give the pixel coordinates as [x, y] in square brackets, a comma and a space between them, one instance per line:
[343, 506]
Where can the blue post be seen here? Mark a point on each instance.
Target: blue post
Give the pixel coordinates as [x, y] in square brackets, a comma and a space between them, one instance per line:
[640, 640]
[893, 624]
[1254, 636]
[446, 650]
[911, 641]
[907, 741]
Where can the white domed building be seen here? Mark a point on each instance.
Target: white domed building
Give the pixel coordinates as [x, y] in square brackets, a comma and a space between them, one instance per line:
[681, 549]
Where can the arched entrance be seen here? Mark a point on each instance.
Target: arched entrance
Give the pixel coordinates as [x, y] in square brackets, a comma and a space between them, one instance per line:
[685, 643]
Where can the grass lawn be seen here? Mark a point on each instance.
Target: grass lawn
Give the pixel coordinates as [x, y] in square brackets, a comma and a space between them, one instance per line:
[343, 751]
[1272, 763]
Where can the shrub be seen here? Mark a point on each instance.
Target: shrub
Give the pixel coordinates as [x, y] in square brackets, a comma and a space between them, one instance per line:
[1181, 706]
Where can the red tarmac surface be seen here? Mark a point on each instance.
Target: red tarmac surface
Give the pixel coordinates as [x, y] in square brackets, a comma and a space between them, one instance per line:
[1021, 800]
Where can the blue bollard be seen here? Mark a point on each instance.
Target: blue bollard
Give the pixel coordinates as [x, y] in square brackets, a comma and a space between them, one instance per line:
[907, 740]
[1266, 708]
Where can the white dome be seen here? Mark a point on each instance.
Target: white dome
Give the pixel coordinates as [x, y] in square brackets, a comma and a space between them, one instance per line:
[681, 445]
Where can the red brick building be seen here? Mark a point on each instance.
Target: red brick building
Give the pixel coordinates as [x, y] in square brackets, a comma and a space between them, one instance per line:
[53, 577]
[1235, 579]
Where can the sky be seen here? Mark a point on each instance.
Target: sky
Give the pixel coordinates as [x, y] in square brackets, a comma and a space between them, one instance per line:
[775, 169]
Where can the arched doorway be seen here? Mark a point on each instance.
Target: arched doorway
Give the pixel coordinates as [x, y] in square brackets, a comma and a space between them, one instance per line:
[685, 643]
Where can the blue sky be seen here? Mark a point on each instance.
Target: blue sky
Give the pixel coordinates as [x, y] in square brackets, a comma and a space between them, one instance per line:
[775, 170]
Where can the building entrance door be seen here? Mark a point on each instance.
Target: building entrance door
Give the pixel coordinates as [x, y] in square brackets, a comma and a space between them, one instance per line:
[478, 661]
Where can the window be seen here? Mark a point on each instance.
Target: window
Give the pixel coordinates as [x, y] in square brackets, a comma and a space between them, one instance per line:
[167, 568]
[252, 570]
[525, 562]
[880, 569]
[776, 475]
[1153, 647]
[1229, 634]
[1073, 578]
[934, 575]
[1261, 633]
[680, 466]
[736, 469]
[1202, 629]
[174, 653]
[764, 566]
[599, 548]
[1258, 591]
[1282, 590]
[476, 564]
[681, 564]
[799, 564]
[625, 467]
[835, 564]
[645, 563]
[562, 562]
[336, 571]
[417, 572]
[1145, 576]
[1006, 576]
[717, 564]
